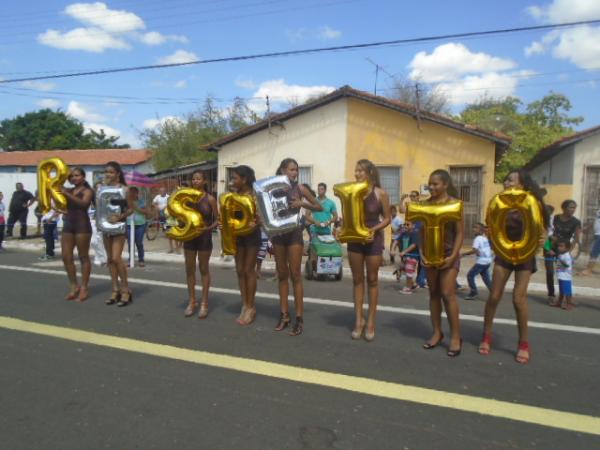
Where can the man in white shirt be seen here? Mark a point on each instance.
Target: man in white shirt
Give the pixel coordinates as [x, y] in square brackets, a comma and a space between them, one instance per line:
[481, 248]
[160, 203]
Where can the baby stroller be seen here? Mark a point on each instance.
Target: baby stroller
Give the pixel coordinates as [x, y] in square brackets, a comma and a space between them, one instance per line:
[324, 260]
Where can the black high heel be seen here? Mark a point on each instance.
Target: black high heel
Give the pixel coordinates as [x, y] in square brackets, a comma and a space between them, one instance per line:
[113, 298]
[455, 353]
[428, 346]
[298, 327]
[284, 321]
[122, 302]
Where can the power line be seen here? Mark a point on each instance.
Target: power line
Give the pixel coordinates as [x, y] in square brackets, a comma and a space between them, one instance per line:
[304, 51]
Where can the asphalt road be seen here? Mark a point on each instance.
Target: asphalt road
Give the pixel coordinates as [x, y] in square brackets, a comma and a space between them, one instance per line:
[63, 392]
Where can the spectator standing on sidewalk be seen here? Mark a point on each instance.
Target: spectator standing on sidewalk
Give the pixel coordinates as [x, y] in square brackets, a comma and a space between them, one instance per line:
[140, 215]
[595, 250]
[564, 273]
[396, 223]
[2, 221]
[18, 209]
[408, 256]
[481, 248]
[49, 222]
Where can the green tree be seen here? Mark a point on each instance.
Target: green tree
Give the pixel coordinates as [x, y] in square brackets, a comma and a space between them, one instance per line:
[531, 127]
[50, 130]
[178, 142]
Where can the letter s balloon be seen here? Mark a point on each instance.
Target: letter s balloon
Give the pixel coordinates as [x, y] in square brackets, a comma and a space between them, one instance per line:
[351, 195]
[49, 186]
[238, 218]
[179, 208]
[521, 251]
[434, 218]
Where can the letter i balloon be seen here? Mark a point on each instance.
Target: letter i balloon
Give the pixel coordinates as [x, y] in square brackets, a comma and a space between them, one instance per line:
[354, 228]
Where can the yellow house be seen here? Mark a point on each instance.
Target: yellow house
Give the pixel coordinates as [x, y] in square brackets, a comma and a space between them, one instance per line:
[328, 135]
[570, 169]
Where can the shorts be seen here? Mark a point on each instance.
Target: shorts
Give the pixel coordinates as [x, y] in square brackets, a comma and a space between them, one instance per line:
[374, 248]
[595, 251]
[565, 288]
[530, 265]
[202, 243]
[251, 240]
[411, 266]
[289, 239]
[77, 226]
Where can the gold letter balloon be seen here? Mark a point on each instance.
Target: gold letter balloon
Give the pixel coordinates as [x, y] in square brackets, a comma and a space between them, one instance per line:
[49, 186]
[179, 208]
[434, 218]
[521, 251]
[238, 218]
[352, 197]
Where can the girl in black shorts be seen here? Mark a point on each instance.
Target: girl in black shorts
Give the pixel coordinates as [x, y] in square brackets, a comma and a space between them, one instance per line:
[442, 280]
[242, 178]
[518, 179]
[200, 248]
[288, 249]
[377, 217]
[77, 232]
[121, 294]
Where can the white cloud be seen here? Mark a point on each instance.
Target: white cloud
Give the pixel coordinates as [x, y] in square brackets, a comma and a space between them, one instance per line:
[472, 87]
[39, 85]
[449, 61]
[181, 84]
[153, 123]
[83, 113]
[245, 83]
[180, 56]
[87, 39]
[98, 15]
[282, 94]
[327, 33]
[156, 38]
[578, 45]
[48, 103]
[97, 127]
[561, 11]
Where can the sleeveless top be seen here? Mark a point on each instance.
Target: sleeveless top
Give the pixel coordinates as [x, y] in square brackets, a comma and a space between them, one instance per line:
[293, 195]
[205, 210]
[76, 212]
[373, 210]
[514, 225]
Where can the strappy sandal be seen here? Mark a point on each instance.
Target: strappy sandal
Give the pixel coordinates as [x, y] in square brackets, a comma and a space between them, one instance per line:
[240, 318]
[203, 314]
[83, 295]
[114, 298]
[73, 294]
[124, 301]
[455, 353]
[284, 321]
[486, 340]
[191, 309]
[357, 332]
[298, 327]
[523, 346]
[248, 316]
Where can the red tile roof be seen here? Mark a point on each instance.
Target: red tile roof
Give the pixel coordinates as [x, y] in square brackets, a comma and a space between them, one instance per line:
[557, 146]
[501, 140]
[96, 157]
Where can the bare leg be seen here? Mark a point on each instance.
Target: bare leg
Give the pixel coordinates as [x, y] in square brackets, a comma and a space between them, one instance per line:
[500, 276]
[357, 262]
[448, 290]
[83, 249]
[373, 263]
[190, 273]
[435, 305]
[112, 268]
[117, 244]
[240, 257]
[294, 254]
[67, 246]
[203, 258]
[522, 309]
[283, 274]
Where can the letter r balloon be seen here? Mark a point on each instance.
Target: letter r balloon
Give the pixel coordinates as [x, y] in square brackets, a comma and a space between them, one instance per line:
[49, 186]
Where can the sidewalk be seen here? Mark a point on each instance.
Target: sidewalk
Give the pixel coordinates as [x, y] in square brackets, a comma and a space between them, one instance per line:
[157, 251]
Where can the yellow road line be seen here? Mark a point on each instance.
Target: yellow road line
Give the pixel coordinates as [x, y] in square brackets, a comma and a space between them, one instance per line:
[396, 391]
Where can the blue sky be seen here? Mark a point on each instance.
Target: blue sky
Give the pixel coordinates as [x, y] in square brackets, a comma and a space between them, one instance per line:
[52, 36]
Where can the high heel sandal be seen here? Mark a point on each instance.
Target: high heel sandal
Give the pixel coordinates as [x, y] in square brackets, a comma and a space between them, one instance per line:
[191, 309]
[487, 340]
[114, 298]
[298, 327]
[428, 346]
[370, 335]
[122, 302]
[203, 314]
[248, 316]
[83, 295]
[240, 319]
[73, 294]
[357, 332]
[523, 346]
[455, 353]
[284, 321]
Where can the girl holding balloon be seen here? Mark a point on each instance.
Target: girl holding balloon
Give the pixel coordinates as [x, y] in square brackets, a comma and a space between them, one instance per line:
[368, 255]
[442, 279]
[288, 249]
[200, 248]
[515, 230]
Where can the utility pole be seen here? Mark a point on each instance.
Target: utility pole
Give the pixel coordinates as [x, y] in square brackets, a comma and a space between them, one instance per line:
[269, 113]
[377, 67]
[418, 104]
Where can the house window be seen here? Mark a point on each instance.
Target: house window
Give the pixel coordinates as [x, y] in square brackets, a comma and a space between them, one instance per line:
[391, 182]
[305, 175]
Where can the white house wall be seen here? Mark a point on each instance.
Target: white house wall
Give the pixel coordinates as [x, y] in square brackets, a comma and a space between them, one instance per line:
[587, 153]
[316, 138]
